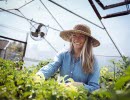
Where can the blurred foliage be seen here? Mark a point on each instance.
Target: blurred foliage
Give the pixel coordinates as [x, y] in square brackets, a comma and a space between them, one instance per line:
[17, 83]
[115, 84]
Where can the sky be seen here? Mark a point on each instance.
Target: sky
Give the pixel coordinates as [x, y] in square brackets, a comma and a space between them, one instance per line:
[18, 28]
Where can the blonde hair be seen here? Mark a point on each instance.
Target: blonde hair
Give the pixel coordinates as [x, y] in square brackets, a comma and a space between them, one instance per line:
[86, 55]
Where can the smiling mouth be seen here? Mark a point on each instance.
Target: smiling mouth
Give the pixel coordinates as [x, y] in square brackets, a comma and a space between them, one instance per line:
[77, 43]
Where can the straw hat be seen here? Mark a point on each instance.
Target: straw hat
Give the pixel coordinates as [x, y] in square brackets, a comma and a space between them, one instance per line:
[82, 29]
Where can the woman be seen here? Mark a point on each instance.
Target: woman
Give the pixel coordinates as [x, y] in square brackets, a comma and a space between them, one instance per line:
[78, 62]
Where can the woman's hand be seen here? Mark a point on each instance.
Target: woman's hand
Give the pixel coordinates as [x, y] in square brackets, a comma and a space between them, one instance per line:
[76, 84]
[38, 79]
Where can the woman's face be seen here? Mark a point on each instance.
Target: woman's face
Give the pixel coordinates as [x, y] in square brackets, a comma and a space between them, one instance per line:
[78, 40]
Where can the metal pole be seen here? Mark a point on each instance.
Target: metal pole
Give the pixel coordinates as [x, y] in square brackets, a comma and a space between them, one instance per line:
[25, 46]
[111, 39]
[93, 6]
[75, 14]
[26, 18]
[12, 39]
[51, 15]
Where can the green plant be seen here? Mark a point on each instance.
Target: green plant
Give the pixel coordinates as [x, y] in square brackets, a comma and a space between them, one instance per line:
[116, 82]
[19, 84]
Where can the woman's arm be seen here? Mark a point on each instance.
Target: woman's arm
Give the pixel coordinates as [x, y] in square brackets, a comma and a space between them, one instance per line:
[48, 70]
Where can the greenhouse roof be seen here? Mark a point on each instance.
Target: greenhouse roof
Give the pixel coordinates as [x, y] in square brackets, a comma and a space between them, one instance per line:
[17, 17]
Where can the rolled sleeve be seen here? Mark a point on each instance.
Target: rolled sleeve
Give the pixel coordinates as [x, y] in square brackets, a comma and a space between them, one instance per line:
[52, 67]
[93, 78]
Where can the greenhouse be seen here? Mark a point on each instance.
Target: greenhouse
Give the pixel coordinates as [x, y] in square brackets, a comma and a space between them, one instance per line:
[31, 37]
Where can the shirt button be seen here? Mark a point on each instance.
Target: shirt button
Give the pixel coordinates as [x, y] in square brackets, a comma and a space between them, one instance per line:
[71, 72]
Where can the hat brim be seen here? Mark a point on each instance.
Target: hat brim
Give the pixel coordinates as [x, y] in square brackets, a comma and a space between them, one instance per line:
[65, 35]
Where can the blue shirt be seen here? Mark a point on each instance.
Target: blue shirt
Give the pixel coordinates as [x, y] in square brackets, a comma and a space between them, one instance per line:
[68, 65]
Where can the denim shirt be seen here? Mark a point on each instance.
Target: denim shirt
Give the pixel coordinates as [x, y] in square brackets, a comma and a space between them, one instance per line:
[68, 65]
